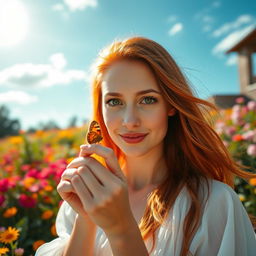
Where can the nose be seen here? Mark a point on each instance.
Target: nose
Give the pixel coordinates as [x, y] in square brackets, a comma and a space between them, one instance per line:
[131, 118]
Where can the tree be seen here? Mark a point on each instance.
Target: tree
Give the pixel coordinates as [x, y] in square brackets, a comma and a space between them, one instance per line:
[72, 122]
[8, 126]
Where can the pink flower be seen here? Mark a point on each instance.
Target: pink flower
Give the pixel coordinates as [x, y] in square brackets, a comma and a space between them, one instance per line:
[19, 251]
[25, 167]
[251, 105]
[240, 100]
[33, 173]
[236, 117]
[27, 201]
[251, 150]
[4, 185]
[236, 108]
[249, 135]
[230, 130]
[2, 199]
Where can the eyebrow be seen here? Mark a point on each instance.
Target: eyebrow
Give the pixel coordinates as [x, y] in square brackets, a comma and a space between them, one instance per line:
[138, 93]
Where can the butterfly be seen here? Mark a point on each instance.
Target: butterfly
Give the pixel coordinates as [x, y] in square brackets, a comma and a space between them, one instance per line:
[94, 133]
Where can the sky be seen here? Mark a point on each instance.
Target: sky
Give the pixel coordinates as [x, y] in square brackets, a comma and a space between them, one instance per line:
[47, 48]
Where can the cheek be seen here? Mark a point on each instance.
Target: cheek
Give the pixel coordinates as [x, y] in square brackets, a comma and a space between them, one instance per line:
[110, 120]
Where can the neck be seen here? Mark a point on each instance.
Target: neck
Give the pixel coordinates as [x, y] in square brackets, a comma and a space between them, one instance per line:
[145, 171]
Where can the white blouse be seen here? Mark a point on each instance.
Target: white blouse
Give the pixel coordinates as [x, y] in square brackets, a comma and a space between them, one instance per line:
[225, 228]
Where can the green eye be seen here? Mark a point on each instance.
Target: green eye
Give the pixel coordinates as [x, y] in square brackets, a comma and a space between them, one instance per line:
[113, 102]
[150, 100]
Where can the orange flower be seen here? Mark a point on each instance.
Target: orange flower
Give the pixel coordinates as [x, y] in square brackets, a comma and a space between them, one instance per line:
[34, 195]
[53, 230]
[252, 181]
[10, 212]
[237, 137]
[28, 182]
[9, 235]
[48, 188]
[37, 243]
[47, 214]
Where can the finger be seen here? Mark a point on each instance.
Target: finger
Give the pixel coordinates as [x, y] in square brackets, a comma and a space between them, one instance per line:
[105, 177]
[91, 182]
[82, 191]
[108, 154]
[68, 174]
[65, 187]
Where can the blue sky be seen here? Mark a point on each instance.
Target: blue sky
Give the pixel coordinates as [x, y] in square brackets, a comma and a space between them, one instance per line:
[47, 47]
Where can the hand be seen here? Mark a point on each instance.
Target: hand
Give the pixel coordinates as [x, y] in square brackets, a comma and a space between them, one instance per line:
[103, 191]
[68, 193]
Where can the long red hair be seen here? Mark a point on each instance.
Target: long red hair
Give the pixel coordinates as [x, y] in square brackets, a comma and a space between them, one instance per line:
[194, 151]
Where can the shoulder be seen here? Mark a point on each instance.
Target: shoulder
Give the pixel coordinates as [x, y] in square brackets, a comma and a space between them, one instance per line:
[222, 197]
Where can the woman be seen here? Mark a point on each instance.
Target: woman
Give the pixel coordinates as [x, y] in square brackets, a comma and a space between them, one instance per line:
[161, 180]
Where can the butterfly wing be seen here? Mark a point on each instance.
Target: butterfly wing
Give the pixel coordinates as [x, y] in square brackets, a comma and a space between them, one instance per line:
[94, 134]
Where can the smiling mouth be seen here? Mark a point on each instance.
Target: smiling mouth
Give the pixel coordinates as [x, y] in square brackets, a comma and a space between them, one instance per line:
[133, 139]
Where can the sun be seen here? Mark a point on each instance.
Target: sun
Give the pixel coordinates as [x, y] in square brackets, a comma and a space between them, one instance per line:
[14, 22]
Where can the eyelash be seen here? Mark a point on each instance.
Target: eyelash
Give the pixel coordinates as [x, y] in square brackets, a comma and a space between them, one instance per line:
[147, 97]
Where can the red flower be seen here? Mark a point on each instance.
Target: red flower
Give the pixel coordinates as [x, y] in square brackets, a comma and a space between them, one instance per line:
[4, 185]
[26, 201]
[2, 199]
[237, 137]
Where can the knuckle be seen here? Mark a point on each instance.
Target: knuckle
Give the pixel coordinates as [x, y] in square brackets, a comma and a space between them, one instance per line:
[82, 170]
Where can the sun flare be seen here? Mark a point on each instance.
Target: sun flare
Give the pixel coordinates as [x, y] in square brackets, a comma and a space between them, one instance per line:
[14, 22]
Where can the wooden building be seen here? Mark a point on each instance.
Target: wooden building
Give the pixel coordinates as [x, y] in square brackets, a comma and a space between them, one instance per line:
[245, 49]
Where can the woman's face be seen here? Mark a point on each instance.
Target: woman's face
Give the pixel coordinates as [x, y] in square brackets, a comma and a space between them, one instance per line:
[132, 103]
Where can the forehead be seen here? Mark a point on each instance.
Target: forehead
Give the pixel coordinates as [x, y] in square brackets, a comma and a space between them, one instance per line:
[128, 75]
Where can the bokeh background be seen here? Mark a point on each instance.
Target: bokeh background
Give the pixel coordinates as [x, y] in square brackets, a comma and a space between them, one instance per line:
[47, 48]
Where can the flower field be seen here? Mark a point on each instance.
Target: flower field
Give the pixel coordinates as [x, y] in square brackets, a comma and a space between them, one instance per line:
[31, 166]
[30, 169]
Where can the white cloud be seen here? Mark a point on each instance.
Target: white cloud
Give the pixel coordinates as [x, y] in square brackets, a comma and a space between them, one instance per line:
[175, 29]
[74, 5]
[17, 97]
[28, 75]
[227, 27]
[231, 40]
[58, 60]
[232, 60]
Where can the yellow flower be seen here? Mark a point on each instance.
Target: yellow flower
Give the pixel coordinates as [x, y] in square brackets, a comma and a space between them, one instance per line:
[4, 250]
[16, 140]
[241, 197]
[47, 214]
[252, 181]
[9, 235]
[10, 212]
[37, 243]
[53, 230]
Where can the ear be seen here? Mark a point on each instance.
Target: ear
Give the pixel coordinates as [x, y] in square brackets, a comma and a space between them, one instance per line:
[171, 112]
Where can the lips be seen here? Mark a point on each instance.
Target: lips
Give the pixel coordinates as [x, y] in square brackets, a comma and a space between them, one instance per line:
[133, 137]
